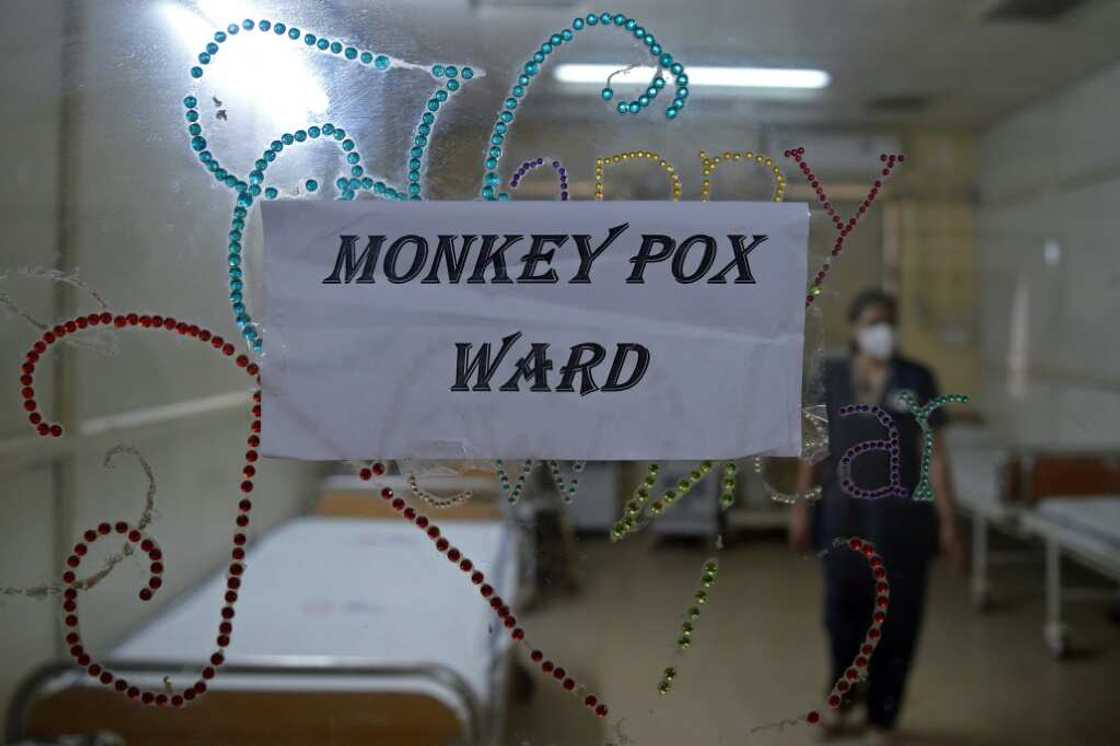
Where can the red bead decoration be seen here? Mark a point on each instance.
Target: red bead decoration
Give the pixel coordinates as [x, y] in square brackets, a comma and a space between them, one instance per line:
[858, 670]
[443, 544]
[843, 228]
[134, 534]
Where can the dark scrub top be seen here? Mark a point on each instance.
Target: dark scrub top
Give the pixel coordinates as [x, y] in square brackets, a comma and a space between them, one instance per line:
[903, 530]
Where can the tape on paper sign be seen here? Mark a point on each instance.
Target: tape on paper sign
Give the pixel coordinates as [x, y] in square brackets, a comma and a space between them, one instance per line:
[515, 330]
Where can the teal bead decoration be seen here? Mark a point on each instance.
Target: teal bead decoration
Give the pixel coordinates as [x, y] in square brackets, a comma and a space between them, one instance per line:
[532, 67]
[246, 190]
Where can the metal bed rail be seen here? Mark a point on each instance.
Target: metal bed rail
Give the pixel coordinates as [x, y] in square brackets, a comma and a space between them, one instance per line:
[59, 675]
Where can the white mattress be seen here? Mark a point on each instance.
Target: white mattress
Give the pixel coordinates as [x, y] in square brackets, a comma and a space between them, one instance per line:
[1095, 517]
[360, 592]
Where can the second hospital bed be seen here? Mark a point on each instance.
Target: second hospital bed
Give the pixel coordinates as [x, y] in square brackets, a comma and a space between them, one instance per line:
[1087, 528]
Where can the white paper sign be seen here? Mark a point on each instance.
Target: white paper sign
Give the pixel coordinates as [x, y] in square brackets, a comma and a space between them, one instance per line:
[574, 330]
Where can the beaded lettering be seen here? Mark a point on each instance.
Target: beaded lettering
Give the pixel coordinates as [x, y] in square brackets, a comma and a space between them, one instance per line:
[924, 490]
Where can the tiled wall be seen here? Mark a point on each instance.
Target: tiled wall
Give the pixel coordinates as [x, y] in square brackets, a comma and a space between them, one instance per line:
[1050, 268]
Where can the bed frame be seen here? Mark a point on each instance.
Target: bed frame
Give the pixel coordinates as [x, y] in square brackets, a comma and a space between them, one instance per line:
[57, 700]
[1020, 479]
[1099, 556]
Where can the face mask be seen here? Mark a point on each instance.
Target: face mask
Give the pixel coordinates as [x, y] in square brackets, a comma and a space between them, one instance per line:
[876, 340]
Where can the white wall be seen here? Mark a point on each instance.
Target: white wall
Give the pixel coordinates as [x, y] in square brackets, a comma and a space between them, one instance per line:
[1051, 175]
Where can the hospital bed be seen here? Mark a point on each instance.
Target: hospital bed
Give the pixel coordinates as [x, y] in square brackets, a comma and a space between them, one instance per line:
[1048, 494]
[350, 630]
[1087, 529]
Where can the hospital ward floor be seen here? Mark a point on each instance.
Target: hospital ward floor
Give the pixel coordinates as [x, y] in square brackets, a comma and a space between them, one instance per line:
[758, 655]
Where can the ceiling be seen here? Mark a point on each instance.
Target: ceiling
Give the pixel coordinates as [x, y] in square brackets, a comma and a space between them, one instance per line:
[941, 63]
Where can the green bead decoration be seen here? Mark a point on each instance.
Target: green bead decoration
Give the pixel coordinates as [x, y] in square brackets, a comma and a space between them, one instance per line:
[566, 488]
[513, 494]
[924, 490]
[727, 496]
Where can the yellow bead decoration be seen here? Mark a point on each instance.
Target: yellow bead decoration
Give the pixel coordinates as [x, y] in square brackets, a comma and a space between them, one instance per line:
[630, 522]
[684, 637]
[649, 155]
[708, 167]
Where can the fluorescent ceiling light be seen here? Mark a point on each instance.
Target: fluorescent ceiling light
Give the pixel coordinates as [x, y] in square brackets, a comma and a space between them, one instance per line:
[728, 77]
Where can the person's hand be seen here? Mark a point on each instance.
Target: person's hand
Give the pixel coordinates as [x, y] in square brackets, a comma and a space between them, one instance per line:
[799, 539]
[952, 547]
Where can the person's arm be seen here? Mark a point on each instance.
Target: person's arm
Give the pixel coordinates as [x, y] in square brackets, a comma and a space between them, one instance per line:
[945, 501]
[799, 519]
